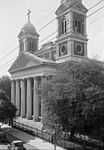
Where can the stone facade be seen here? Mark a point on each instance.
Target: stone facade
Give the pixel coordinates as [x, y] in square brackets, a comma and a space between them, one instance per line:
[33, 65]
[26, 87]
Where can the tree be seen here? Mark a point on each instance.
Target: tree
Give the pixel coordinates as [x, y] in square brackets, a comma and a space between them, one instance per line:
[75, 98]
[7, 109]
[5, 85]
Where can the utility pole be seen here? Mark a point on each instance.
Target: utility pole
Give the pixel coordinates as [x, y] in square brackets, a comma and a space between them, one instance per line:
[55, 140]
[55, 135]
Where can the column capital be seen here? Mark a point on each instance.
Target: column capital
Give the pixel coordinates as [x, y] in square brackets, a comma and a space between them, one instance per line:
[13, 80]
[22, 82]
[17, 80]
[22, 79]
[35, 83]
[28, 78]
[36, 77]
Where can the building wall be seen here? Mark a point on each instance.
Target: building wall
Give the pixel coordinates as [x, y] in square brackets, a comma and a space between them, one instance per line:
[47, 51]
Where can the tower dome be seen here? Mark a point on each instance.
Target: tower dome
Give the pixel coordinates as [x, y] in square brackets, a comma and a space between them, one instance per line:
[28, 37]
[28, 28]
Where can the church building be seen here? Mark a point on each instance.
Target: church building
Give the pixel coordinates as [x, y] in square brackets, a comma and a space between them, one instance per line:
[34, 65]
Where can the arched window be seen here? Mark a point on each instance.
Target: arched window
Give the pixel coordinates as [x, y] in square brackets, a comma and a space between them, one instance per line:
[78, 23]
[21, 45]
[31, 44]
[63, 26]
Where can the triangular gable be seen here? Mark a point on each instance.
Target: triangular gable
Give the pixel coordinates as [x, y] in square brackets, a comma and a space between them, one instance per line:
[26, 60]
[76, 6]
[22, 61]
[80, 7]
[61, 9]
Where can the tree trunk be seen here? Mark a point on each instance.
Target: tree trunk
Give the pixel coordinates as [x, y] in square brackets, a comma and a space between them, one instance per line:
[72, 132]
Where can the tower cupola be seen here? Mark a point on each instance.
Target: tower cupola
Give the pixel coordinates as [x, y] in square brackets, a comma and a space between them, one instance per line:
[28, 37]
[72, 33]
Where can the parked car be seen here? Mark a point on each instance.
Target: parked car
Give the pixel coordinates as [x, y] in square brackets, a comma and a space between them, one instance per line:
[16, 145]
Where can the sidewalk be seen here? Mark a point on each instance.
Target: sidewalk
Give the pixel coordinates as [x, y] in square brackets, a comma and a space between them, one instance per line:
[32, 140]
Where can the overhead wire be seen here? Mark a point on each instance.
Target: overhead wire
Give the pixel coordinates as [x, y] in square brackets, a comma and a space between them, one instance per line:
[9, 53]
[96, 4]
[55, 18]
[87, 16]
[95, 11]
[71, 6]
[48, 36]
[7, 63]
[44, 26]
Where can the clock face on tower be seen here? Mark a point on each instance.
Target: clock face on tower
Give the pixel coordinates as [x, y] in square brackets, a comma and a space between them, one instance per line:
[78, 48]
[63, 49]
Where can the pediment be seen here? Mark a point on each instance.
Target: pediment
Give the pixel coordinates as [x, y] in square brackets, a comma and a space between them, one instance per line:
[80, 7]
[77, 6]
[25, 61]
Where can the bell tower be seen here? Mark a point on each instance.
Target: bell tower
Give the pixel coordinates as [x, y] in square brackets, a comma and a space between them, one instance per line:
[72, 38]
[28, 37]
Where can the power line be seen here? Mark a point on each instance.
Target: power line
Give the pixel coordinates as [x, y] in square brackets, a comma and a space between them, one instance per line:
[55, 32]
[53, 38]
[95, 20]
[87, 17]
[96, 4]
[10, 52]
[44, 26]
[55, 18]
[95, 11]
[6, 63]
[48, 36]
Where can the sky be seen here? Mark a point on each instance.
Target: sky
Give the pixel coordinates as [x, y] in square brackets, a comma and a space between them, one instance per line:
[13, 17]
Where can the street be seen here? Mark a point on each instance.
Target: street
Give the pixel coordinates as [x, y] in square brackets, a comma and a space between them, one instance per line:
[31, 142]
[12, 138]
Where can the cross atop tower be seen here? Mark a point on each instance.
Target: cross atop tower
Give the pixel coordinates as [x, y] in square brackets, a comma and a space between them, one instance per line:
[28, 14]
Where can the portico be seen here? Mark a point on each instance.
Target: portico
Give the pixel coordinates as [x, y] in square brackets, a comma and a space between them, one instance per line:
[26, 84]
[26, 98]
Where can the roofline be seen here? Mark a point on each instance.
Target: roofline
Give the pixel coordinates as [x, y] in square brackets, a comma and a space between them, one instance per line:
[42, 64]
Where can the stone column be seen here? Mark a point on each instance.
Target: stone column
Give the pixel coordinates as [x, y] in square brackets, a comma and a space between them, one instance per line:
[23, 101]
[44, 80]
[13, 92]
[85, 27]
[18, 97]
[29, 99]
[36, 101]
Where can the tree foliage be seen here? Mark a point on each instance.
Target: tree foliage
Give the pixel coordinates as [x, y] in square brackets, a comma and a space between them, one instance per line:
[76, 97]
[7, 109]
[5, 85]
